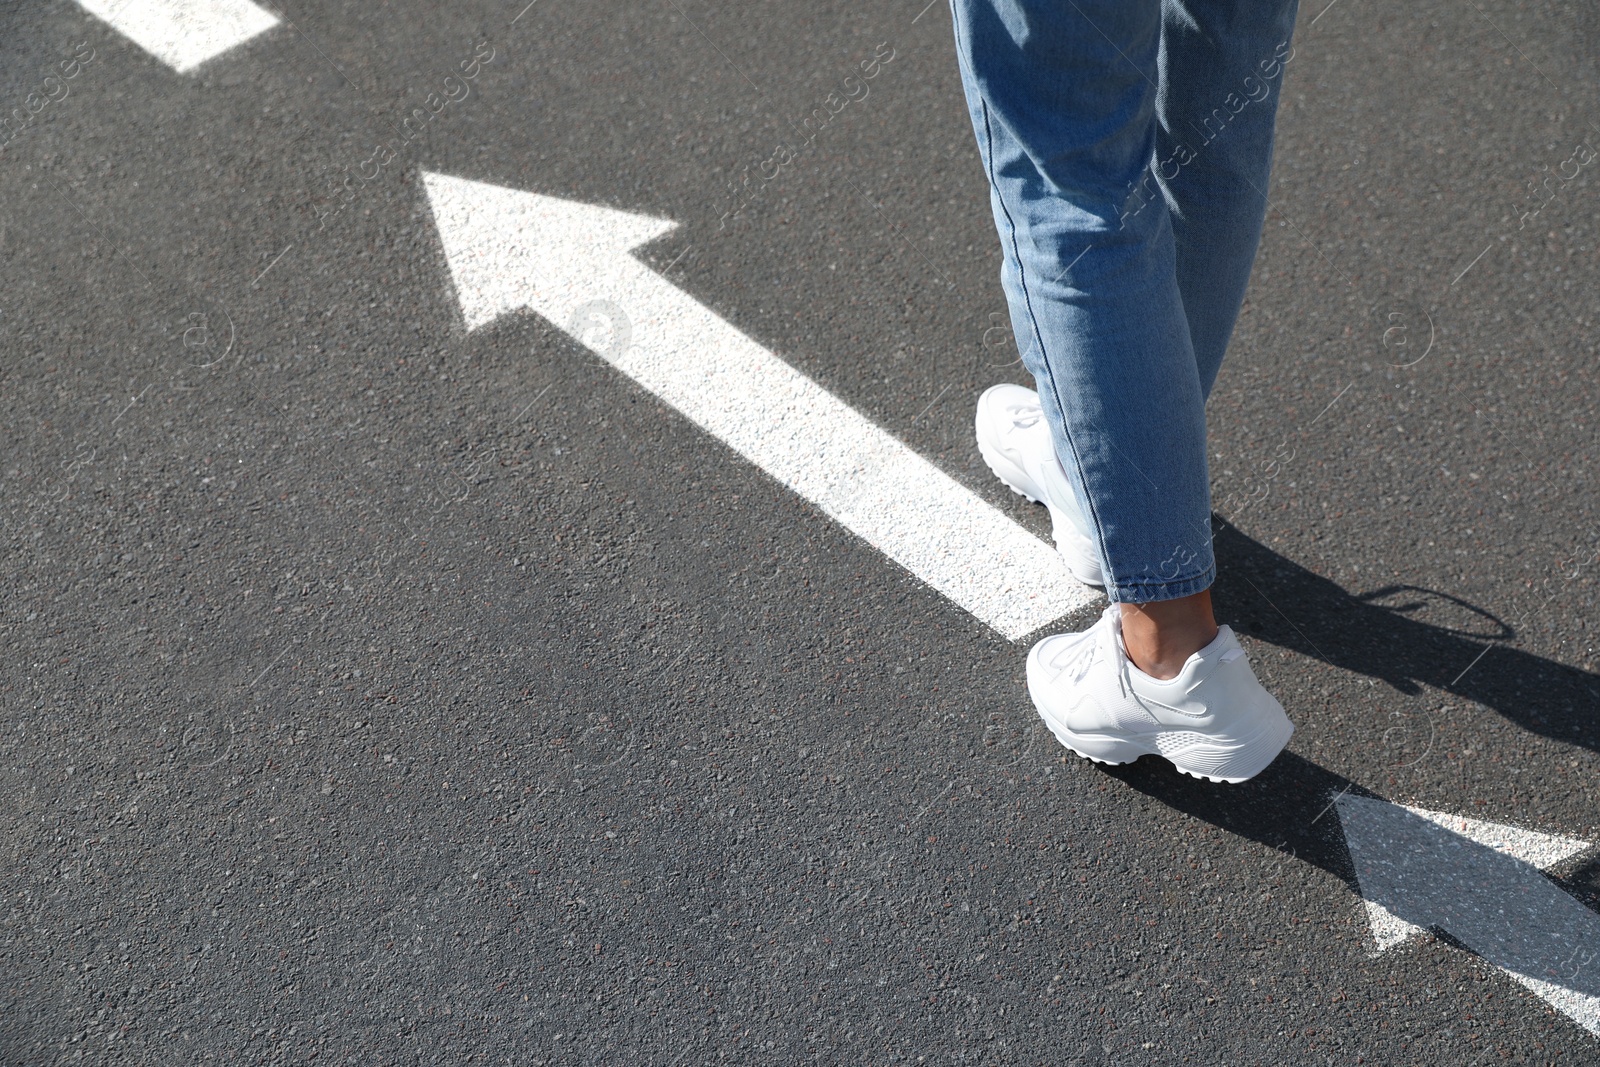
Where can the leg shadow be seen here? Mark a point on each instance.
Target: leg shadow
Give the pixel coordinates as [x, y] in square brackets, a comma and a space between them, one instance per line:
[1407, 636]
[1287, 807]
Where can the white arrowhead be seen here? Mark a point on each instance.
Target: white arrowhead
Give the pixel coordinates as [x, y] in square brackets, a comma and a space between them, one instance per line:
[570, 263]
[1529, 846]
[183, 33]
[1480, 882]
[509, 249]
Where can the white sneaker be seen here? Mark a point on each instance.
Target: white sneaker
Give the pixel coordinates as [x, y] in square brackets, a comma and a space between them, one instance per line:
[1015, 442]
[1214, 720]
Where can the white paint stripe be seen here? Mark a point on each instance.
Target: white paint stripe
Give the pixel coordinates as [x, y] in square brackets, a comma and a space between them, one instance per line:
[509, 249]
[183, 33]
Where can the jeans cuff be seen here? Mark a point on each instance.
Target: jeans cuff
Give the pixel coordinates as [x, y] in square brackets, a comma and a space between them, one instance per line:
[1147, 592]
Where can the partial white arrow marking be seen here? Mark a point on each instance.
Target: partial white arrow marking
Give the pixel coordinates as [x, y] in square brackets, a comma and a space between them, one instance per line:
[183, 33]
[570, 263]
[1479, 882]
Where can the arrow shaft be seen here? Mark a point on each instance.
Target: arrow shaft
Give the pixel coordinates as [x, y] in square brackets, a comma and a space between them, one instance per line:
[816, 444]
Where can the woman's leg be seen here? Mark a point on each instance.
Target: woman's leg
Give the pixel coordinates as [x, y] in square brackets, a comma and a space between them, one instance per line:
[1222, 67]
[1063, 97]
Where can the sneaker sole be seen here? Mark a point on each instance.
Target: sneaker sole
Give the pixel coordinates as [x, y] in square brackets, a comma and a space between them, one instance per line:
[1007, 472]
[1195, 754]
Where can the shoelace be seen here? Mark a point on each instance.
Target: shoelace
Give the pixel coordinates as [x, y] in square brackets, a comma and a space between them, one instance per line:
[1114, 613]
[1080, 656]
[1024, 415]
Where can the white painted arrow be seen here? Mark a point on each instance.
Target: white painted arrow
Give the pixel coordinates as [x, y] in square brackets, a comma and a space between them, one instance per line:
[183, 33]
[570, 263]
[1479, 882]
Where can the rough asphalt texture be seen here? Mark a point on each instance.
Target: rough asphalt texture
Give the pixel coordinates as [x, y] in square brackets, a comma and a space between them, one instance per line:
[379, 693]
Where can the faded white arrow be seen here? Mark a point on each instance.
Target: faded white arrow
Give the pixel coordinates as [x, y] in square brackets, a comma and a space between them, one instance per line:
[571, 263]
[1480, 882]
[183, 33]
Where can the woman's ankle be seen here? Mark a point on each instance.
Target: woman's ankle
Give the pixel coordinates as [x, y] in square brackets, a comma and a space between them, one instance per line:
[1160, 636]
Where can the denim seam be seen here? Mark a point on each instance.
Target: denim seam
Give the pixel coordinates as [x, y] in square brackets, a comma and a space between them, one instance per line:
[1033, 321]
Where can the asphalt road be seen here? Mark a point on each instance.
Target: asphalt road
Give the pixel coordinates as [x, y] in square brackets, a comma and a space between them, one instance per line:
[378, 690]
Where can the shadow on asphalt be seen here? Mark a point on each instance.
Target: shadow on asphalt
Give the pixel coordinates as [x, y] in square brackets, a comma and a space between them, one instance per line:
[1288, 806]
[1404, 635]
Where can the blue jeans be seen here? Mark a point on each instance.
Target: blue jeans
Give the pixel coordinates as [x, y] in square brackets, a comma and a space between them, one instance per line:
[1127, 145]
